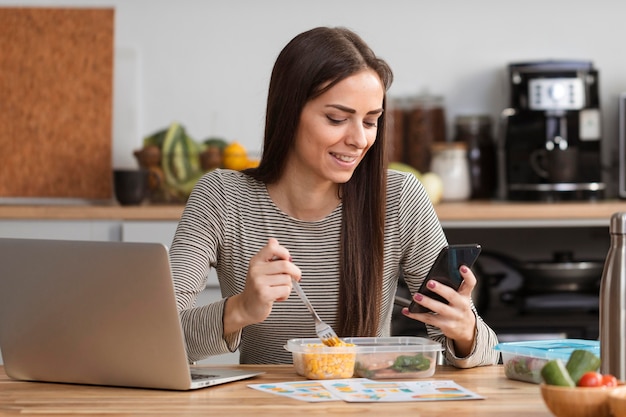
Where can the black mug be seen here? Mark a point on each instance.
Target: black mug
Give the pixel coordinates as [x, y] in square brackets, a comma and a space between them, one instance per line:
[130, 185]
[556, 165]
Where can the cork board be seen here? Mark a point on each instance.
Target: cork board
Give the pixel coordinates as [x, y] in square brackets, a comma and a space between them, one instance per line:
[56, 76]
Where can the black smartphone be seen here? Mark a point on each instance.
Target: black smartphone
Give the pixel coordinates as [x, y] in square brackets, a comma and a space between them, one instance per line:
[445, 269]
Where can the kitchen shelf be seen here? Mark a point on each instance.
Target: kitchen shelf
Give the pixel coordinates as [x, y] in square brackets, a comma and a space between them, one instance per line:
[455, 215]
[476, 214]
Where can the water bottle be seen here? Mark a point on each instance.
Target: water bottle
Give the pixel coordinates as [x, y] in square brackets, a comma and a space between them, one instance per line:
[613, 302]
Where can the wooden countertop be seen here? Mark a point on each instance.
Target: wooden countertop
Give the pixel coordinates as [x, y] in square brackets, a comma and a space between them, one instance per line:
[472, 211]
[503, 397]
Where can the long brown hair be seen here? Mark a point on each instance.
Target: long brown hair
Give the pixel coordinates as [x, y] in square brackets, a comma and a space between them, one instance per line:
[310, 64]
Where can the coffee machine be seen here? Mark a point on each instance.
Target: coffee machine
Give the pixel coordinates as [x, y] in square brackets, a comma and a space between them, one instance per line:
[550, 138]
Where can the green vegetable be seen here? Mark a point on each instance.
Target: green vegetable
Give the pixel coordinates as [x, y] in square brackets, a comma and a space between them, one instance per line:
[156, 138]
[554, 372]
[364, 371]
[180, 159]
[580, 362]
[180, 156]
[406, 363]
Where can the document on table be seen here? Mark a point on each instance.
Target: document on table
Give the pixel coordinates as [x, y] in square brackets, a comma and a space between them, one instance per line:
[367, 390]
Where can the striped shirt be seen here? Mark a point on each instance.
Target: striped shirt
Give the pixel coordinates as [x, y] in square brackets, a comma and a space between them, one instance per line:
[230, 216]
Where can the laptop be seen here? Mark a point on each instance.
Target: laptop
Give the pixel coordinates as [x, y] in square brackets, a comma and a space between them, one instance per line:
[97, 313]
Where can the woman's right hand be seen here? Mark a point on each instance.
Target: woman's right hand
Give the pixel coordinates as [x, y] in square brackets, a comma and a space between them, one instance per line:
[269, 277]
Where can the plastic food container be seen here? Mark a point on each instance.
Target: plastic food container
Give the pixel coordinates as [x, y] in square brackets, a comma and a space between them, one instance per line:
[523, 360]
[314, 360]
[395, 357]
[369, 357]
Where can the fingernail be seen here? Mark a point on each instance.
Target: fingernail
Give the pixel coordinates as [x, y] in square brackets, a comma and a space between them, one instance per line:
[463, 268]
[418, 297]
[290, 259]
[431, 284]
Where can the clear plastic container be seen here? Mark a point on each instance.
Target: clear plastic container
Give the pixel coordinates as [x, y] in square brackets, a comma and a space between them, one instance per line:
[523, 360]
[314, 360]
[395, 357]
[370, 357]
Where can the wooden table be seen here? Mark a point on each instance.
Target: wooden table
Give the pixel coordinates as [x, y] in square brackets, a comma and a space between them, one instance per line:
[504, 397]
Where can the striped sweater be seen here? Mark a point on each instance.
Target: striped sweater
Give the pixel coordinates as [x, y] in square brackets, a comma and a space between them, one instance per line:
[229, 217]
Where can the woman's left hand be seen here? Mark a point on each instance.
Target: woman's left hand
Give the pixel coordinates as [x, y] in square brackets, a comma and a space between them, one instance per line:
[456, 320]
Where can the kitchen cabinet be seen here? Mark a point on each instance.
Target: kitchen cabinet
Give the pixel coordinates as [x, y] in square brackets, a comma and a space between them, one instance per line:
[84, 229]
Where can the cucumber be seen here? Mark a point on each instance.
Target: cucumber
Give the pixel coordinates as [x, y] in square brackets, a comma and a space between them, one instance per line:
[580, 362]
[554, 372]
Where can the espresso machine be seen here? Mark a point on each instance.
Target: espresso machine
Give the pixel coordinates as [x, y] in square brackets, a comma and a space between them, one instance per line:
[550, 137]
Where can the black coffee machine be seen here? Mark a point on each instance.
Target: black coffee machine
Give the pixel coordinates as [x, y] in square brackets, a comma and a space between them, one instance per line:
[549, 144]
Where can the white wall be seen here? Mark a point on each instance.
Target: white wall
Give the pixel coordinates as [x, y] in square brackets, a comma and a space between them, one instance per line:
[206, 63]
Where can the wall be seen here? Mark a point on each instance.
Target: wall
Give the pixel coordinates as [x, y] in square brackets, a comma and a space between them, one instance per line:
[206, 63]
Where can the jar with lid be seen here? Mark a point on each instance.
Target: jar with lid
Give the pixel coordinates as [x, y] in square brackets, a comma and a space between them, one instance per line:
[475, 132]
[450, 163]
[426, 124]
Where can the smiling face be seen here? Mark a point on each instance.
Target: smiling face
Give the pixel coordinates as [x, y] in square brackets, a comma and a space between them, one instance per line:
[337, 128]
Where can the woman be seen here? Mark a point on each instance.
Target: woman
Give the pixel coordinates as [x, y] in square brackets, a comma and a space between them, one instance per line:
[322, 209]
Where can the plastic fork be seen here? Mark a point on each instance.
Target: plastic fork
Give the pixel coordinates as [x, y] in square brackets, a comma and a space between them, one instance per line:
[326, 333]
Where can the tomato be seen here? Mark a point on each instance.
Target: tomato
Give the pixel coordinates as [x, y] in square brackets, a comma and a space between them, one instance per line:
[609, 380]
[590, 379]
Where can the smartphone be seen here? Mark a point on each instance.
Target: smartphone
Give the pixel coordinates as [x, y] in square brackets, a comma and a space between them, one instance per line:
[445, 269]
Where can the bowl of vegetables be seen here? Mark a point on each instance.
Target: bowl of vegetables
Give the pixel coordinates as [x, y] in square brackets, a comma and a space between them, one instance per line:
[576, 388]
[617, 401]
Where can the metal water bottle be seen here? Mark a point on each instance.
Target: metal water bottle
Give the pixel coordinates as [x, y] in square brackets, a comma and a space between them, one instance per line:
[613, 302]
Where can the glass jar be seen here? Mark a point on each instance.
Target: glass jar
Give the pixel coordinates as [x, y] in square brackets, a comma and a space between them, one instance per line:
[475, 131]
[395, 125]
[450, 163]
[426, 124]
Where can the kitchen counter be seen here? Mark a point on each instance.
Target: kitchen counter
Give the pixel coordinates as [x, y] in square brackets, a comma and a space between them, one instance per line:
[503, 397]
[591, 213]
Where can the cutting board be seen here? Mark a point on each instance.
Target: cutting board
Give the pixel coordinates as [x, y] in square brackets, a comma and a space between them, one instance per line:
[56, 77]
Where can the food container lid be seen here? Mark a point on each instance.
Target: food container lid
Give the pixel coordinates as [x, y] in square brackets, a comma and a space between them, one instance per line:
[549, 349]
[394, 344]
[308, 345]
[367, 345]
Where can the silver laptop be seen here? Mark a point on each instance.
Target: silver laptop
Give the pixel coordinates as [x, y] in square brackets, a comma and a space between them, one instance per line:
[99, 313]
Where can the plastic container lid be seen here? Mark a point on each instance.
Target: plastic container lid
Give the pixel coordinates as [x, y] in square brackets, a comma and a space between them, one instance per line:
[366, 345]
[549, 349]
[315, 345]
[394, 344]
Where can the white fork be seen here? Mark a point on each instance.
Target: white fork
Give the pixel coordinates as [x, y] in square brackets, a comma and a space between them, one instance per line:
[326, 333]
